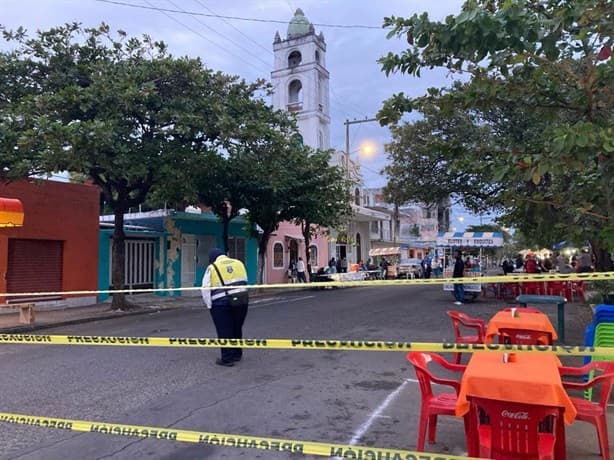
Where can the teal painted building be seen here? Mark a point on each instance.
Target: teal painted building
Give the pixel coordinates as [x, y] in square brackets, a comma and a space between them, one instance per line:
[167, 250]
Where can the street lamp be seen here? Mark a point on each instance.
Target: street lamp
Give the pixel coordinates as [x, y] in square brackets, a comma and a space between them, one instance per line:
[347, 124]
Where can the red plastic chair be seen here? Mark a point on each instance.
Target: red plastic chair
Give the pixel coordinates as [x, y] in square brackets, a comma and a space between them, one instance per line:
[512, 431]
[577, 289]
[509, 290]
[533, 287]
[433, 404]
[459, 320]
[524, 336]
[491, 289]
[562, 288]
[588, 411]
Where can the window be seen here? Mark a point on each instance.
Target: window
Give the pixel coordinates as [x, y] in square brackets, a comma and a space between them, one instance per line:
[278, 255]
[317, 56]
[375, 227]
[313, 255]
[357, 196]
[236, 248]
[294, 58]
[295, 96]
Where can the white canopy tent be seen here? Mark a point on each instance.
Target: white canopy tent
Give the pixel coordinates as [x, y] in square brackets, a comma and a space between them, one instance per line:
[394, 251]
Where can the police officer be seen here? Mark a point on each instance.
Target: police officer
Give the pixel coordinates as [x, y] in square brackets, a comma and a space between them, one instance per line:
[228, 307]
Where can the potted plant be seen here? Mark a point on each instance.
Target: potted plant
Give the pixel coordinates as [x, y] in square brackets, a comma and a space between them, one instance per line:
[605, 288]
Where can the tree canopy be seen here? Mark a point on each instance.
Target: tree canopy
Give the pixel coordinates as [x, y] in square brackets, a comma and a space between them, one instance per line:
[536, 106]
[137, 122]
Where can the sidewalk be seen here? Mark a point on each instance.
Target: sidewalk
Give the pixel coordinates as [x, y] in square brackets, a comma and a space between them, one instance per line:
[46, 318]
[146, 303]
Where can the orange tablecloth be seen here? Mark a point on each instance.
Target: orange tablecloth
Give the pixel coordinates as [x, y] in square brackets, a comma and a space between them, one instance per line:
[532, 378]
[531, 321]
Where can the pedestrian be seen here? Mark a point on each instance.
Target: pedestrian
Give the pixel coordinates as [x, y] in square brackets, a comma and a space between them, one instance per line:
[332, 265]
[228, 307]
[530, 264]
[519, 263]
[585, 262]
[426, 267]
[292, 272]
[344, 265]
[384, 266]
[459, 272]
[300, 271]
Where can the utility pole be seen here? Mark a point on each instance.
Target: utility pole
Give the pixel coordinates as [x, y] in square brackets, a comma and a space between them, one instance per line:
[347, 124]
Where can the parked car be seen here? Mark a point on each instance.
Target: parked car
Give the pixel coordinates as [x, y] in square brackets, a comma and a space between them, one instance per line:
[409, 268]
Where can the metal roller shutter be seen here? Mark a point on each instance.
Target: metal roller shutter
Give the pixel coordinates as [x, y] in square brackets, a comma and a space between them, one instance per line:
[34, 266]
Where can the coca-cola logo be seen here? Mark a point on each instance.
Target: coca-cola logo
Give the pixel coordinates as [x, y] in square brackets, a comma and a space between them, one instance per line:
[525, 337]
[515, 415]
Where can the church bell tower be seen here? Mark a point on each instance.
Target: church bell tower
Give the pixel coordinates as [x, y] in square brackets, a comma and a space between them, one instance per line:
[301, 82]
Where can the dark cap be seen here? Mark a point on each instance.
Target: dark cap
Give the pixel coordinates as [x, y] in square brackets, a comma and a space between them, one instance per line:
[214, 253]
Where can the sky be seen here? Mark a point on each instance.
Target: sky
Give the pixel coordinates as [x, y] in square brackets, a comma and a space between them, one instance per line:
[244, 47]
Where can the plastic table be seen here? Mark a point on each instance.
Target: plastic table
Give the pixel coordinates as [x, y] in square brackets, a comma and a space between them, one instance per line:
[560, 302]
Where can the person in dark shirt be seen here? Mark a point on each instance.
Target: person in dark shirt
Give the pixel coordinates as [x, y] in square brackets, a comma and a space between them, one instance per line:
[459, 272]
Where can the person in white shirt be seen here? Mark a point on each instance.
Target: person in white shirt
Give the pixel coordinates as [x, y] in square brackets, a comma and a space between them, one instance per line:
[300, 271]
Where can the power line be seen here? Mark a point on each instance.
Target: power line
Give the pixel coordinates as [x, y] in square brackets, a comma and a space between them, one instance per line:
[335, 99]
[235, 28]
[216, 32]
[201, 35]
[342, 104]
[235, 18]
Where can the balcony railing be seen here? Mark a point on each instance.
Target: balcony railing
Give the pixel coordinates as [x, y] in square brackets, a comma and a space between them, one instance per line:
[295, 106]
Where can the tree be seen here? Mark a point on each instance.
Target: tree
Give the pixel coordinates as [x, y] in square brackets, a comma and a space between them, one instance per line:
[120, 111]
[321, 196]
[550, 61]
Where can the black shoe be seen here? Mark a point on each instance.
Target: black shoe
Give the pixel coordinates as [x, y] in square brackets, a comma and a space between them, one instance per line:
[236, 359]
[221, 362]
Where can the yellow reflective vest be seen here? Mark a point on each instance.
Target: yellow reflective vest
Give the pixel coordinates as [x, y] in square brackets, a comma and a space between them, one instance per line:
[233, 274]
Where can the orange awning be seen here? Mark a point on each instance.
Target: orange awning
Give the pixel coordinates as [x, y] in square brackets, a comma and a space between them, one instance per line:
[11, 212]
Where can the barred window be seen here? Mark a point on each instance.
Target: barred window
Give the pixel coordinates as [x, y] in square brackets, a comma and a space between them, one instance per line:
[278, 255]
[236, 248]
[313, 255]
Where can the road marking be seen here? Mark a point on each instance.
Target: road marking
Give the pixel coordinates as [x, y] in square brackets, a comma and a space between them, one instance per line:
[377, 413]
[266, 302]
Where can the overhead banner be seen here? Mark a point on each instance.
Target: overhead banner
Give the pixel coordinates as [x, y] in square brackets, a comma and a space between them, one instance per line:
[470, 239]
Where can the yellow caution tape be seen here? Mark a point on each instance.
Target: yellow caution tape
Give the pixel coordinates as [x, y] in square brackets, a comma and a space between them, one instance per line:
[299, 344]
[349, 283]
[225, 440]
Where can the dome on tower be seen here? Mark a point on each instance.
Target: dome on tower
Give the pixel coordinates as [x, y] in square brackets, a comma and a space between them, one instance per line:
[299, 25]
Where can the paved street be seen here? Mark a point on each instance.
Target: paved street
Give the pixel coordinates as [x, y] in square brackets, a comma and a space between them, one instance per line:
[364, 398]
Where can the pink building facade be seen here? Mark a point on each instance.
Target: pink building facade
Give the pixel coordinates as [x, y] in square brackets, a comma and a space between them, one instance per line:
[286, 245]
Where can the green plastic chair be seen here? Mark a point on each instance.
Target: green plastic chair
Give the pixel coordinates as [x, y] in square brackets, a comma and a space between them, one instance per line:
[604, 337]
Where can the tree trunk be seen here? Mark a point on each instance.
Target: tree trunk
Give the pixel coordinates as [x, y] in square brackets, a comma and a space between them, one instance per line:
[225, 225]
[119, 261]
[263, 241]
[603, 261]
[306, 231]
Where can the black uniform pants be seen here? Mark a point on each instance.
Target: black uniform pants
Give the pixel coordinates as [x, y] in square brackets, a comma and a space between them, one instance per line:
[229, 325]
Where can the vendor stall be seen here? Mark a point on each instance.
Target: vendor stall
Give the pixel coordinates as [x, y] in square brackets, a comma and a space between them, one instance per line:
[449, 242]
[391, 254]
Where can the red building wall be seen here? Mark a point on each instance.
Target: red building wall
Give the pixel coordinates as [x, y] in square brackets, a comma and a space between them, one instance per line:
[57, 211]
